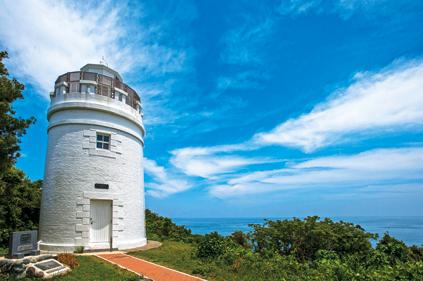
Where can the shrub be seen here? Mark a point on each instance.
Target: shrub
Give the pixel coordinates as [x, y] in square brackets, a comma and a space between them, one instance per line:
[68, 259]
[303, 238]
[162, 228]
[240, 238]
[396, 250]
[79, 250]
[211, 246]
[416, 253]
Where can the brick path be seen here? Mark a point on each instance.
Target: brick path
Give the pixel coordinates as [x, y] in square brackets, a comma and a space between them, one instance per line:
[148, 269]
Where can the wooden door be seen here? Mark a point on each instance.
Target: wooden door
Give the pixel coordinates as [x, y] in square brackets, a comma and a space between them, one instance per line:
[101, 221]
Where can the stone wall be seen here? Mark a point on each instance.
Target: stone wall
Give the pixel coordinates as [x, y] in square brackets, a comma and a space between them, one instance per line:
[74, 165]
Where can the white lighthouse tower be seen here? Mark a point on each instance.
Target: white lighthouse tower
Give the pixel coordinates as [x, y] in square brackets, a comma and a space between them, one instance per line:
[93, 190]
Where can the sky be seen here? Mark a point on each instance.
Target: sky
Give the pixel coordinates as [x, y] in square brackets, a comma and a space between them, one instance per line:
[252, 108]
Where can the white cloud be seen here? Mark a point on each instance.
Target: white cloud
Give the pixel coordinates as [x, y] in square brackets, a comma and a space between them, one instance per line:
[48, 38]
[162, 183]
[375, 103]
[388, 100]
[202, 162]
[376, 167]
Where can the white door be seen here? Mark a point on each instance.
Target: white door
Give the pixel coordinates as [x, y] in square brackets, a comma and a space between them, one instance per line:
[101, 221]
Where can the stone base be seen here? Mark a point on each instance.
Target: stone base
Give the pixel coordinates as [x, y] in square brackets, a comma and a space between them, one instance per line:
[20, 268]
[70, 248]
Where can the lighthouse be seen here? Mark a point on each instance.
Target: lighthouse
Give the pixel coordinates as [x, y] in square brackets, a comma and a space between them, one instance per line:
[93, 189]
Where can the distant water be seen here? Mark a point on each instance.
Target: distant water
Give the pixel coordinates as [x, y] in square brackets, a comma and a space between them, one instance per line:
[407, 229]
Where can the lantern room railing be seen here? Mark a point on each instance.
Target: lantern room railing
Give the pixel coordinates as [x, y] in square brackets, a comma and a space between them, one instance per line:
[105, 86]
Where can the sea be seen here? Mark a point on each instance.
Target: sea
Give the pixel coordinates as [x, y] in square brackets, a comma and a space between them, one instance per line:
[407, 229]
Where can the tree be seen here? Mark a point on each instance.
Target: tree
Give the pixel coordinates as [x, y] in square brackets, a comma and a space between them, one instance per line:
[161, 228]
[304, 238]
[11, 127]
[395, 250]
[19, 203]
[19, 197]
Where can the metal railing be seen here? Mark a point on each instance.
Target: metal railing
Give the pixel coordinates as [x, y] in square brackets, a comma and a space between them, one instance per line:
[105, 85]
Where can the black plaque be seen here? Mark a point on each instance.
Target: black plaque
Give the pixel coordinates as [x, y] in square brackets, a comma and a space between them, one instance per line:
[48, 264]
[101, 186]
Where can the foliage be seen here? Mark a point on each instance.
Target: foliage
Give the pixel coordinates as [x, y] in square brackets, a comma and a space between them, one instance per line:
[295, 250]
[19, 197]
[68, 259]
[416, 253]
[161, 228]
[240, 238]
[395, 250]
[211, 246]
[254, 266]
[11, 128]
[303, 238]
[79, 250]
[19, 203]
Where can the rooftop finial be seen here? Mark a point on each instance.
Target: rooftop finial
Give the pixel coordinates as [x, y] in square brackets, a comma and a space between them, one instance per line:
[103, 61]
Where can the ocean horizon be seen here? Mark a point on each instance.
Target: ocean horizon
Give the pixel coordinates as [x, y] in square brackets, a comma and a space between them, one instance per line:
[409, 229]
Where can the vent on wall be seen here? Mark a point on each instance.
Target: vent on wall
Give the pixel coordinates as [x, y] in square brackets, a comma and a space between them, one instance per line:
[101, 186]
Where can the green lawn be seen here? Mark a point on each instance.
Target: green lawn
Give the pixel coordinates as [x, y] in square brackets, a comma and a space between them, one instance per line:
[180, 256]
[92, 269]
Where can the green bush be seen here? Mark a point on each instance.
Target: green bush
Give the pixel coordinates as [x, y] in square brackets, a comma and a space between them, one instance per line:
[19, 204]
[303, 238]
[161, 228]
[211, 246]
[395, 250]
[416, 253]
[79, 250]
[240, 238]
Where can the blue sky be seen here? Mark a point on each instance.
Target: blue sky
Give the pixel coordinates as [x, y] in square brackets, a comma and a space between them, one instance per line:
[252, 108]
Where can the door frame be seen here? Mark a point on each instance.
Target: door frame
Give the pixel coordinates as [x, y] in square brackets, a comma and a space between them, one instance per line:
[102, 245]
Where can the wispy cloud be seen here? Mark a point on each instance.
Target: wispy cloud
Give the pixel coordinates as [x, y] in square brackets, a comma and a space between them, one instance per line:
[373, 103]
[163, 183]
[343, 8]
[208, 162]
[296, 7]
[242, 80]
[241, 45]
[376, 167]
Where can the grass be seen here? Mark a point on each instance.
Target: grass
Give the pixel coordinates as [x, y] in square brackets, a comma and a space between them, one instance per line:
[180, 256]
[91, 269]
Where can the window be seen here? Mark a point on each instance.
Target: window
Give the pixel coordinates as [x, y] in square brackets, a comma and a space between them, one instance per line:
[120, 96]
[74, 87]
[83, 88]
[103, 141]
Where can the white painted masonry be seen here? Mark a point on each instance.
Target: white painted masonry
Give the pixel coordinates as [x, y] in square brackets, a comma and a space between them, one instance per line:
[74, 165]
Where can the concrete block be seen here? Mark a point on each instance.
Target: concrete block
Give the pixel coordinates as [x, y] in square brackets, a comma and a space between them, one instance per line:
[82, 227]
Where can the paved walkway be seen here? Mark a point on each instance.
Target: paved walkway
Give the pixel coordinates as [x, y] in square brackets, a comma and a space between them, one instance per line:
[147, 269]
